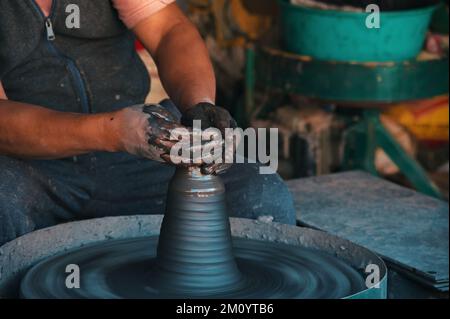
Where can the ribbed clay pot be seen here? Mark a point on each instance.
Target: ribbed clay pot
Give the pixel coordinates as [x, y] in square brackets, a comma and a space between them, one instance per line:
[195, 253]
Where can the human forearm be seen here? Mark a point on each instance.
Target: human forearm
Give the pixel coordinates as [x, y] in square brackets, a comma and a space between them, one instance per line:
[181, 56]
[186, 71]
[192, 79]
[30, 131]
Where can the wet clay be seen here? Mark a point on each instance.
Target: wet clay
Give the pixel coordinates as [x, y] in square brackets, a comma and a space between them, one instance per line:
[194, 257]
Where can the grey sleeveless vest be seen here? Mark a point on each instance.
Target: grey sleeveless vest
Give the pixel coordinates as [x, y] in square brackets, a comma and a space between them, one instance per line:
[92, 69]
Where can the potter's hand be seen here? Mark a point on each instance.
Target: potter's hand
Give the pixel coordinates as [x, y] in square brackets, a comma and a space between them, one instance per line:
[145, 130]
[212, 116]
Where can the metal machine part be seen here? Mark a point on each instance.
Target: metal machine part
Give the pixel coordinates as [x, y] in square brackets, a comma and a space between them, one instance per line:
[196, 256]
[340, 83]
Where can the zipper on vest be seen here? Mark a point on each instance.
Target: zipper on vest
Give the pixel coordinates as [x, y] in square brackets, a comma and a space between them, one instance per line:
[74, 71]
[49, 29]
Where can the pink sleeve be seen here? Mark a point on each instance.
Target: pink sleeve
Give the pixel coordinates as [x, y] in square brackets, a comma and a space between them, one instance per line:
[131, 12]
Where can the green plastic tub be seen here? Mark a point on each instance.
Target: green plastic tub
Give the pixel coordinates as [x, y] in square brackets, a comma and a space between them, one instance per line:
[343, 35]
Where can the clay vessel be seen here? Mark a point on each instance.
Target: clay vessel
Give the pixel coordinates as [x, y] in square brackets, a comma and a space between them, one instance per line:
[195, 254]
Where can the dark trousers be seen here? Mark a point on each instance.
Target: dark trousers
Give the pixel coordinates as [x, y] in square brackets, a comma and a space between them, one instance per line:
[35, 193]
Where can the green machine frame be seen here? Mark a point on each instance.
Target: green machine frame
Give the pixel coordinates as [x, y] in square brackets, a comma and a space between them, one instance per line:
[368, 86]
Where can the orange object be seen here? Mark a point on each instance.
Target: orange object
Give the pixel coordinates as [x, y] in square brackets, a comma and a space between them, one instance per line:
[427, 120]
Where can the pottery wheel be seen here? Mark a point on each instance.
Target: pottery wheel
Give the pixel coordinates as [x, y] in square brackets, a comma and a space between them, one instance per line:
[194, 256]
[127, 269]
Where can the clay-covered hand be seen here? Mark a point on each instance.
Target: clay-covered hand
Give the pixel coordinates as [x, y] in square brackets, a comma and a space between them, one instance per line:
[212, 116]
[145, 131]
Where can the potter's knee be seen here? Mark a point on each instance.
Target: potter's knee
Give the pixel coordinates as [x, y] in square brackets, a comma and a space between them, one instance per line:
[276, 200]
[252, 194]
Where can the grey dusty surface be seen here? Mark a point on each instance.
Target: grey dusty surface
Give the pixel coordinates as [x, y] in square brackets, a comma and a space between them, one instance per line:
[405, 227]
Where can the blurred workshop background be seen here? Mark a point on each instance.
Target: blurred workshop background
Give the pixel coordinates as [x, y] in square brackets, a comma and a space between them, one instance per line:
[344, 96]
